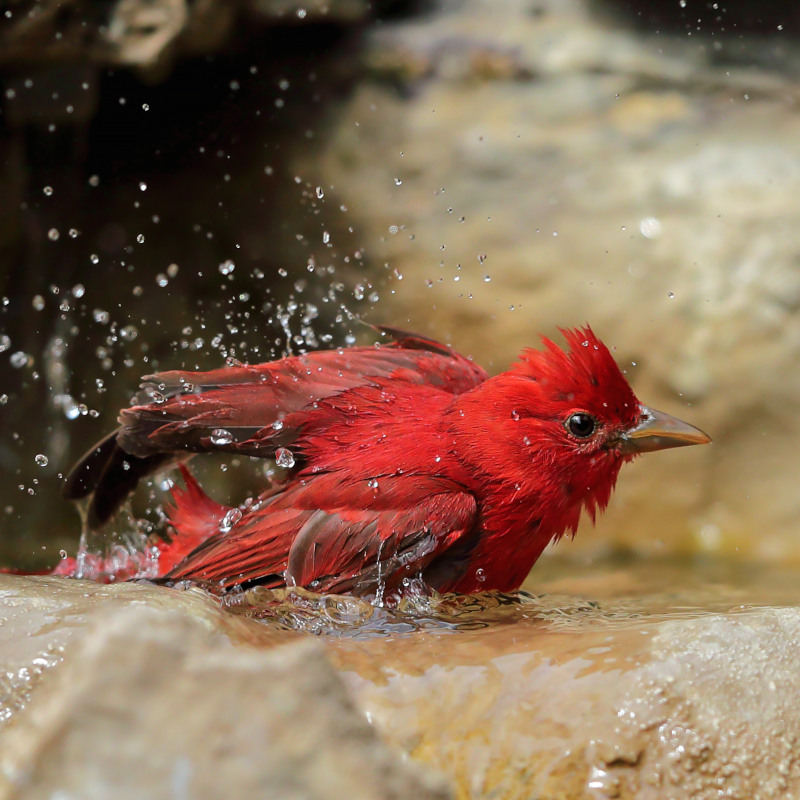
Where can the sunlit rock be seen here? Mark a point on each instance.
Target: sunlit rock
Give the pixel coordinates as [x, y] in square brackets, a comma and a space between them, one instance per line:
[153, 702]
[653, 681]
[40, 616]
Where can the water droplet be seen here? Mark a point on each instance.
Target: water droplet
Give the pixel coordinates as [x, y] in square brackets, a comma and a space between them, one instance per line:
[320, 193]
[41, 460]
[284, 458]
[48, 190]
[226, 267]
[5, 343]
[172, 270]
[373, 484]
[78, 290]
[3, 399]
[398, 182]
[53, 234]
[140, 238]
[482, 258]
[393, 229]
[38, 302]
[230, 519]
[480, 574]
[74, 233]
[100, 316]
[326, 237]
[19, 359]
[670, 295]
[277, 425]
[94, 180]
[162, 280]
[129, 333]
[145, 107]
[649, 227]
[220, 436]
[142, 186]
[94, 258]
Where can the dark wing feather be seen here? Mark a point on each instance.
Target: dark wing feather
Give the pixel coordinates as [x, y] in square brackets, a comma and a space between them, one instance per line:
[249, 410]
[382, 535]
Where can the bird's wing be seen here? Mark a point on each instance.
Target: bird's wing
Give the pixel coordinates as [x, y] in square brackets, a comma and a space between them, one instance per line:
[247, 409]
[330, 536]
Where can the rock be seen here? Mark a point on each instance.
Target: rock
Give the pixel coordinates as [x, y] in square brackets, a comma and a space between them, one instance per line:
[609, 698]
[40, 616]
[129, 33]
[517, 171]
[651, 681]
[144, 34]
[150, 703]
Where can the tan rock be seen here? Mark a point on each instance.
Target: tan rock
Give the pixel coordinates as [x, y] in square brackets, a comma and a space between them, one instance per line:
[150, 703]
[593, 700]
[652, 681]
[40, 617]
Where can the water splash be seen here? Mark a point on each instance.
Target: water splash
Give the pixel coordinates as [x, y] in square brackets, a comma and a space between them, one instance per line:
[418, 608]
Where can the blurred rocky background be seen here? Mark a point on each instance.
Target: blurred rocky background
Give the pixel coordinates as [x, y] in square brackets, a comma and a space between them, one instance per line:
[184, 182]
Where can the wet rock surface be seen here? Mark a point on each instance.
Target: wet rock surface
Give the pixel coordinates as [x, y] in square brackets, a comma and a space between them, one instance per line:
[152, 701]
[640, 681]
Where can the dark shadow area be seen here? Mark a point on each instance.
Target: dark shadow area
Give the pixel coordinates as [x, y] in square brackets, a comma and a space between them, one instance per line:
[158, 226]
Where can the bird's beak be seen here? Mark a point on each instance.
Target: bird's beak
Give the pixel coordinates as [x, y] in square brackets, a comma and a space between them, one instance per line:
[658, 431]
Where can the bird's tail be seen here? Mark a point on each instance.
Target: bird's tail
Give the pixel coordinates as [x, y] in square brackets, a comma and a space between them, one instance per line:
[194, 517]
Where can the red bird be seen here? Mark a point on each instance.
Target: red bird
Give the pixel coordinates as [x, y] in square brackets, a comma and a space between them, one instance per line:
[402, 460]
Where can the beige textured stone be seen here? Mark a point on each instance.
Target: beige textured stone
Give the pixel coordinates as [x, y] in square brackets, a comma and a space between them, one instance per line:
[586, 702]
[652, 681]
[149, 703]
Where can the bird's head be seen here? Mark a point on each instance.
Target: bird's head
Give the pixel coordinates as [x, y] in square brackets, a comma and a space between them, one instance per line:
[563, 421]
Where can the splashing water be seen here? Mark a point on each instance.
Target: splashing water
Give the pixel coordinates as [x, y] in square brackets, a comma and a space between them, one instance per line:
[132, 557]
[344, 616]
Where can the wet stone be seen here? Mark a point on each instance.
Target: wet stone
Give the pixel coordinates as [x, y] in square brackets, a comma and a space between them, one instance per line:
[649, 680]
[153, 702]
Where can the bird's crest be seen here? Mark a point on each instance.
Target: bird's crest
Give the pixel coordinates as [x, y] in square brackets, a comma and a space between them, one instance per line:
[584, 374]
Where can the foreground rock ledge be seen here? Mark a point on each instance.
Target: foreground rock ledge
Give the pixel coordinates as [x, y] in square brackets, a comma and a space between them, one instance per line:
[149, 703]
[558, 698]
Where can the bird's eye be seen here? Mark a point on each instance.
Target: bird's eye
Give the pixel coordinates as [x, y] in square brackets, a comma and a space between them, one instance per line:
[581, 425]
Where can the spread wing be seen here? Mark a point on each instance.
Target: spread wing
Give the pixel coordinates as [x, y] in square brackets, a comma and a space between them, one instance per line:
[329, 537]
[250, 410]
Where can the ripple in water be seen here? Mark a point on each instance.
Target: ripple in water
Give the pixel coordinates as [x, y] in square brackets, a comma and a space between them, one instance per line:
[353, 617]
